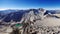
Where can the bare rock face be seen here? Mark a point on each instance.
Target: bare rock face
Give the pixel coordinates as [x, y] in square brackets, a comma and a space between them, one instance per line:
[48, 22]
[5, 30]
[47, 25]
[9, 29]
[42, 24]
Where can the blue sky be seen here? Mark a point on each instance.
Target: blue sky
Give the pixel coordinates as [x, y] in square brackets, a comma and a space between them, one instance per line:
[26, 4]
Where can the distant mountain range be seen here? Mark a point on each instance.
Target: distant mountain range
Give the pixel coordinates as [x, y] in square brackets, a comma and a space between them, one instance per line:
[16, 15]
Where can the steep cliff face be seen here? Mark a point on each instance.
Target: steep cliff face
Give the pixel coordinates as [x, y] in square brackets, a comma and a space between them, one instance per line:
[46, 21]
[27, 17]
[16, 15]
[41, 21]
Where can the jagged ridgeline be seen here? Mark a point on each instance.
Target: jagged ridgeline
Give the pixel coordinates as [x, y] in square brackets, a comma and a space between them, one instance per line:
[16, 15]
[34, 20]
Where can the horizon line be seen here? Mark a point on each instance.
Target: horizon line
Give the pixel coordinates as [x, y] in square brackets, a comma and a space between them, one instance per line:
[28, 8]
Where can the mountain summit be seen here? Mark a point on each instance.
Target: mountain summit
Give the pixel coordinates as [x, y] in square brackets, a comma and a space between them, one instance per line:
[16, 15]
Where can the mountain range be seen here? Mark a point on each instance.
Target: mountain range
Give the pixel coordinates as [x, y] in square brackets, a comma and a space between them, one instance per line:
[16, 15]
